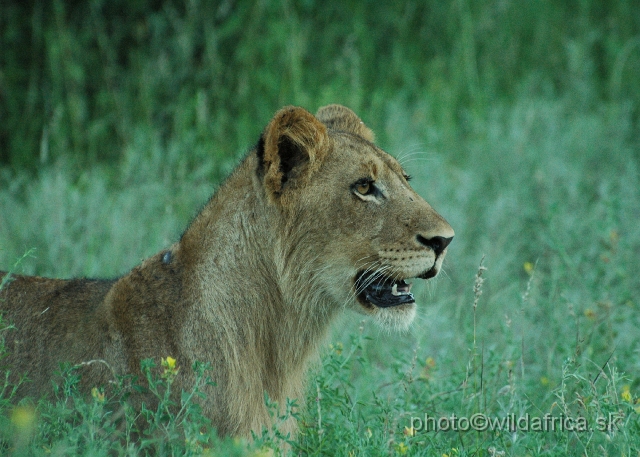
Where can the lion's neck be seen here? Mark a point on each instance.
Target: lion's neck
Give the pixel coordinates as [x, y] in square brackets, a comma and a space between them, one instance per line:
[256, 294]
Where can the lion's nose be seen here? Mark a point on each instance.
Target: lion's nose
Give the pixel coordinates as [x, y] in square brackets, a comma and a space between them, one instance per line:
[437, 243]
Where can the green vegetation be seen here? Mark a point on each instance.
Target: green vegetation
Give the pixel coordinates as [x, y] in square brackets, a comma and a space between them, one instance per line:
[520, 122]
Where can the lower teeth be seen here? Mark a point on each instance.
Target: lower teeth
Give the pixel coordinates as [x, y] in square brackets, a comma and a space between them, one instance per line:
[394, 291]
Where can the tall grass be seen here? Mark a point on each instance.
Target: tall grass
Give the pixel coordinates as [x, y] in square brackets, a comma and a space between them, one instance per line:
[104, 80]
[519, 122]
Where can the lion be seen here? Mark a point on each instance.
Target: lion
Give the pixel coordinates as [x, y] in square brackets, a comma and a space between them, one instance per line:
[314, 220]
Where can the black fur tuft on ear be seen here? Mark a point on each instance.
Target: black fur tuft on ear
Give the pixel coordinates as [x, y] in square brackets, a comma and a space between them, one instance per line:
[291, 156]
[260, 155]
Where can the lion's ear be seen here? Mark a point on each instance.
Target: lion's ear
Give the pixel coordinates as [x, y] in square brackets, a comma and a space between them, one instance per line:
[293, 143]
[340, 117]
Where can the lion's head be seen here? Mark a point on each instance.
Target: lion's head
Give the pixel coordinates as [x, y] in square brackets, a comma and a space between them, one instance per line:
[365, 233]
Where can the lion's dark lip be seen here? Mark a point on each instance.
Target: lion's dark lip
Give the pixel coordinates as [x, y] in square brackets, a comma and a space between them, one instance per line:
[383, 292]
[429, 273]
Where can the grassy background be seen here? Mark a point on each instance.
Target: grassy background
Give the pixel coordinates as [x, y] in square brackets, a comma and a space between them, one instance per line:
[519, 121]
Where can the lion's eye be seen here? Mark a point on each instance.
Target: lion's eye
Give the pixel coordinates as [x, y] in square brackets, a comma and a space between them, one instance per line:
[364, 187]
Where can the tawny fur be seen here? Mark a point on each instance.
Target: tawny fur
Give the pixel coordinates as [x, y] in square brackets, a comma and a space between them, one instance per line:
[253, 284]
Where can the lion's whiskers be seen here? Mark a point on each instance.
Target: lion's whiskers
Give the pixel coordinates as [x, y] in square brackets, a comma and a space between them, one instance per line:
[410, 150]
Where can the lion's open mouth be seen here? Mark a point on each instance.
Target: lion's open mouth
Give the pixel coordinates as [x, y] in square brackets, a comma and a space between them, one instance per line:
[385, 292]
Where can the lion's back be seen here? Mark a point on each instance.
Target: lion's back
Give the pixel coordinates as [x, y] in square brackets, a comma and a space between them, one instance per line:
[54, 321]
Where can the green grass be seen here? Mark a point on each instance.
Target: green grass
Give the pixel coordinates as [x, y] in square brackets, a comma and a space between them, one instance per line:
[519, 123]
[549, 196]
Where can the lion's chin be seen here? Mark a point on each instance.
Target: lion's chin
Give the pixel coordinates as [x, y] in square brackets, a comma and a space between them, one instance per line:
[398, 318]
[395, 319]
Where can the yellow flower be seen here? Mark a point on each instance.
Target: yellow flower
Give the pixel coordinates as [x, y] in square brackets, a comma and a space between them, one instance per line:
[590, 314]
[429, 364]
[626, 393]
[170, 363]
[402, 448]
[409, 431]
[23, 417]
[544, 381]
[170, 368]
[528, 267]
[95, 393]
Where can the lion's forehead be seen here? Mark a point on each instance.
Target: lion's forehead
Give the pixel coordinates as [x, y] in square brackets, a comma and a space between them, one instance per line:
[371, 160]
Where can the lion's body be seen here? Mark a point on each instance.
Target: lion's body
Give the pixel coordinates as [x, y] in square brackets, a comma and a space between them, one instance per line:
[255, 281]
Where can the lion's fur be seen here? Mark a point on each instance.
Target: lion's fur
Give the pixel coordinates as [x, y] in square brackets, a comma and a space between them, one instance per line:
[254, 282]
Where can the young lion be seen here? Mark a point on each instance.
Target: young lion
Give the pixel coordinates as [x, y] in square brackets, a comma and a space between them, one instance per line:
[315, 219]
